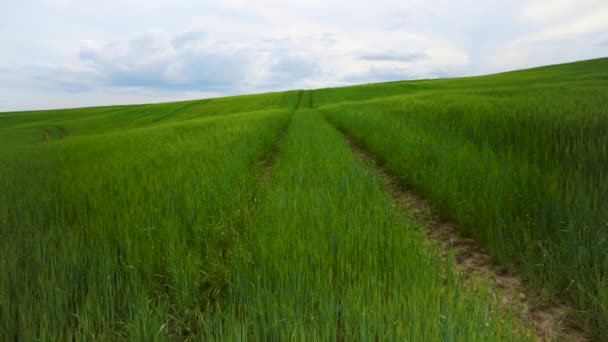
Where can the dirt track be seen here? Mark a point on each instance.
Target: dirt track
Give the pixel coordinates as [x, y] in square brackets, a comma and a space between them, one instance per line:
[549, 321]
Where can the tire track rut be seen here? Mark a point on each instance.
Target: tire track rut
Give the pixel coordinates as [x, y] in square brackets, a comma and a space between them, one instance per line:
[549, 321]
[266, 162]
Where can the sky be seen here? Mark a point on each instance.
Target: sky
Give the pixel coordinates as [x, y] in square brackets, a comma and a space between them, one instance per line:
[68, 53]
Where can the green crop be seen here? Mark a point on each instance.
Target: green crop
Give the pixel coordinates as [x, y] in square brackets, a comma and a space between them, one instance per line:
[249, 218]
[331, 259]
[517, 159]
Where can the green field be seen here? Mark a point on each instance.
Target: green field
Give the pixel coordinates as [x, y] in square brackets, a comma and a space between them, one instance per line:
[250, 217]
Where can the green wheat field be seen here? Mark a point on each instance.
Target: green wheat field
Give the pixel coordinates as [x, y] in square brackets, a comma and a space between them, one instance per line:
[250, 217]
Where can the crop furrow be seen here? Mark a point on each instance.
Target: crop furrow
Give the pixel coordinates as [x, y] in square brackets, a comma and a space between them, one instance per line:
[549, 320]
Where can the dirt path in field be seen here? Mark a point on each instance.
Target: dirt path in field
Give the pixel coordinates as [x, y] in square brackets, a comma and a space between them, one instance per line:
[62, 132]
[267, 161]
[548, 320]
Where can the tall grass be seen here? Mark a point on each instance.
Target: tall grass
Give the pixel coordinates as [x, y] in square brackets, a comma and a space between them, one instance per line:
[126, 235]
[332, 260]
[520, 167]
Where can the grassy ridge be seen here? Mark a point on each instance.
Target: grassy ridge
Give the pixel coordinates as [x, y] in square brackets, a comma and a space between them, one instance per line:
[517, 159]
[20, 128]
[590, 73]
[332, 260]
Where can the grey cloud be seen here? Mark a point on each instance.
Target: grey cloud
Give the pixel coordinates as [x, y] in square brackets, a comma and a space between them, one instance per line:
[397, 21]
[68, 86]
[288, 65]
[180, 40]
[392, 56]
[86, 52]
[295, 43]
[209, 70]
[377, 74]
[187, 62]
[290, 69]
[148, 43]
[153, 60]
[66, 78]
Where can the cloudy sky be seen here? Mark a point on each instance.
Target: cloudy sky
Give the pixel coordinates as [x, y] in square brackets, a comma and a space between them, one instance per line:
[69, 53]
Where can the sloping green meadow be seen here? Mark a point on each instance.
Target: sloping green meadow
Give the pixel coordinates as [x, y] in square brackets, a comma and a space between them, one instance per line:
[517, 159]
[249, 218]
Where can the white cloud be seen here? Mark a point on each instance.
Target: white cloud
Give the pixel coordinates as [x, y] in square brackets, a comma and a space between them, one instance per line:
[101, 51]
[562, 31]
[593, 21]
[546, 10]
